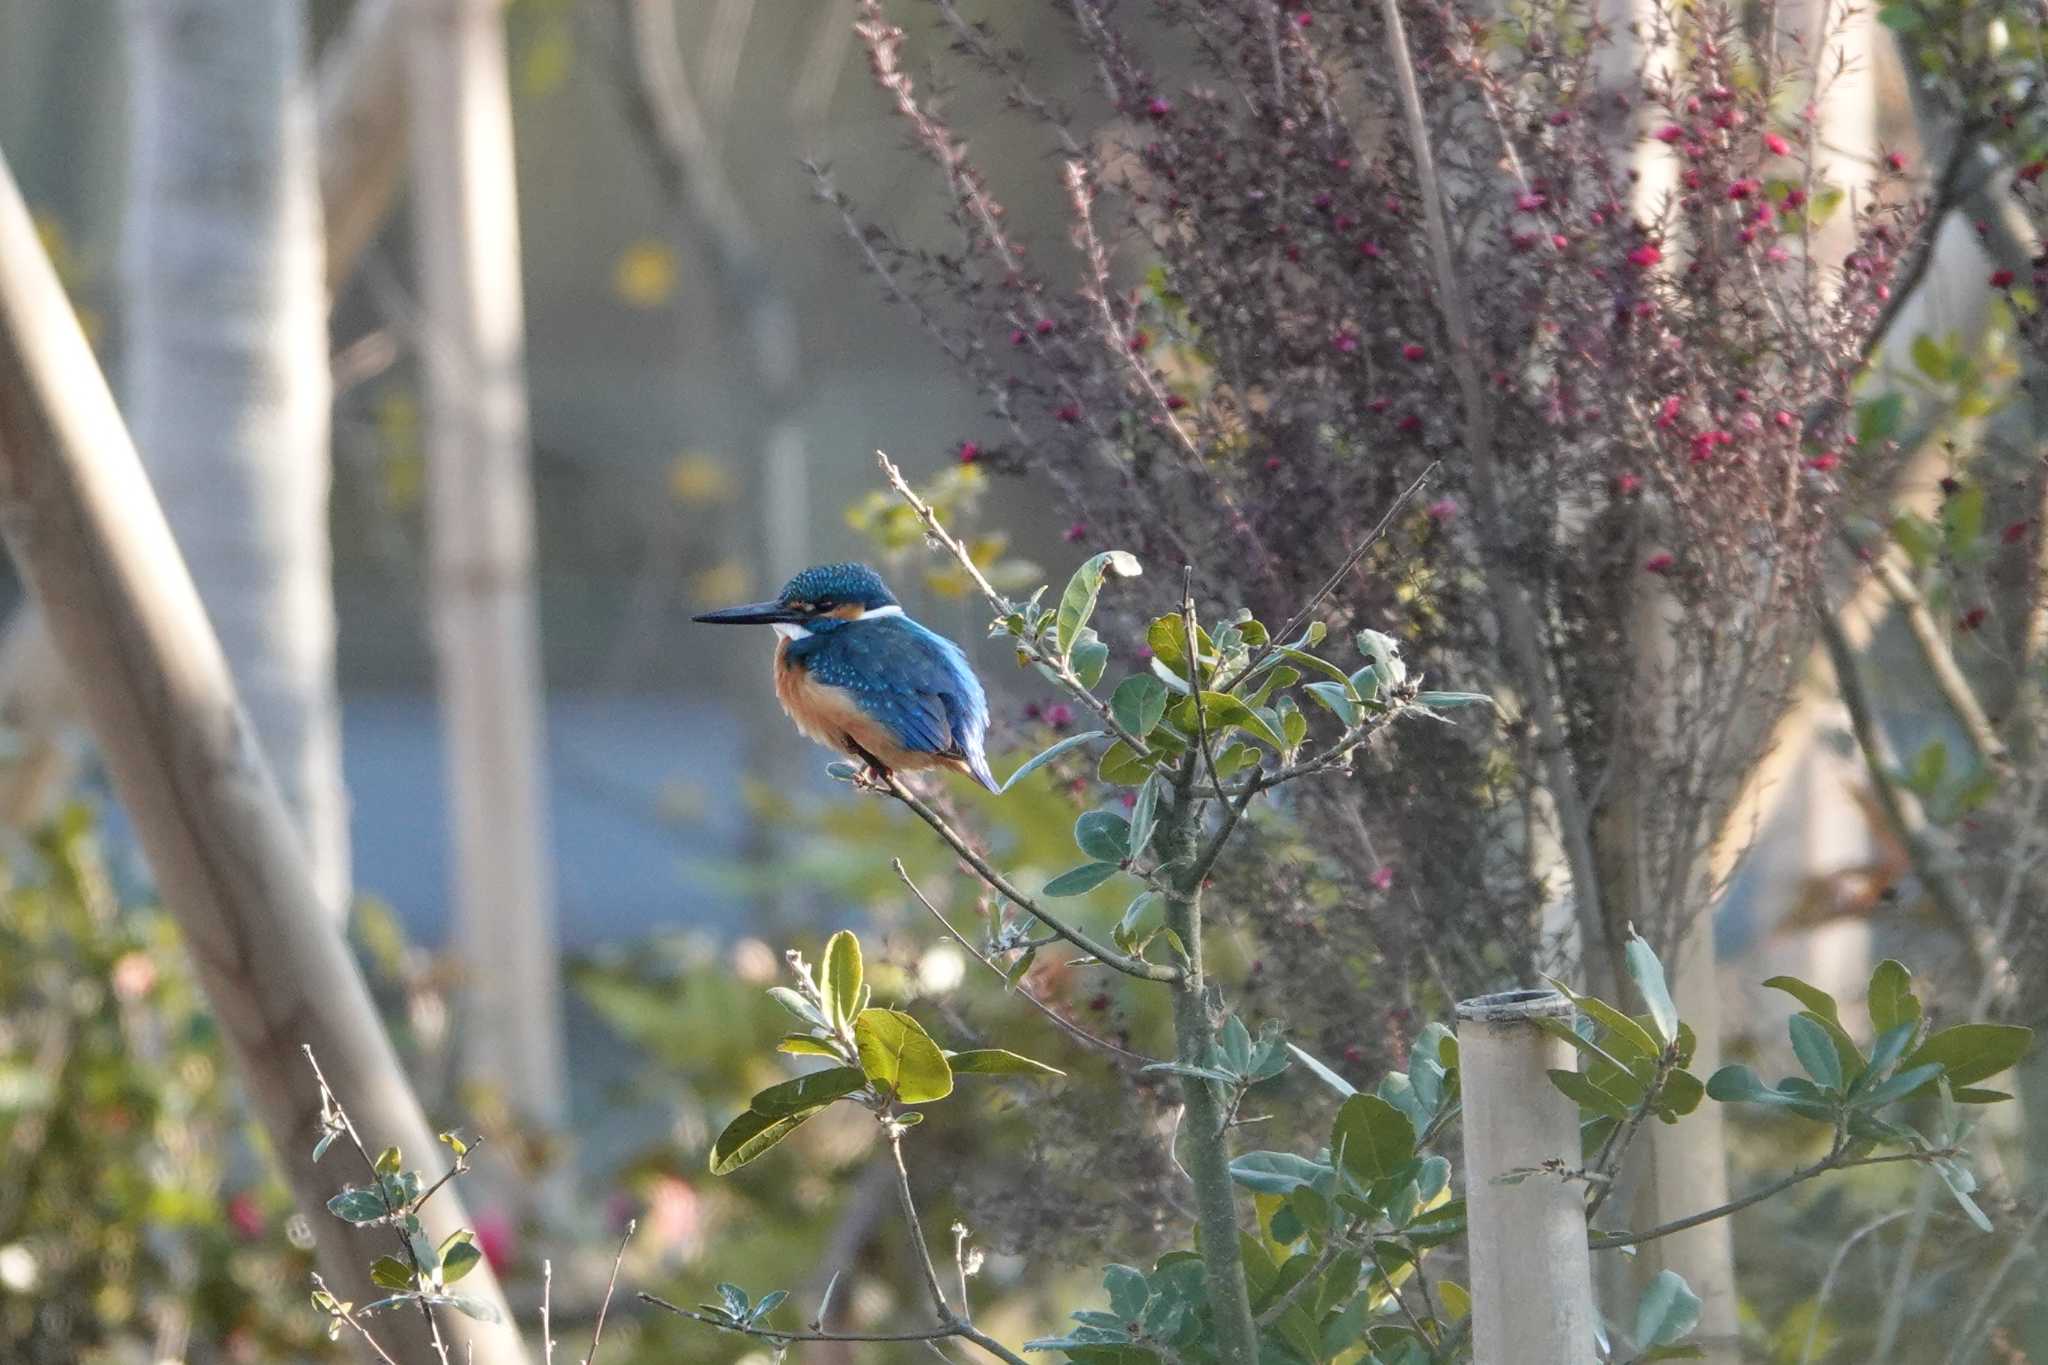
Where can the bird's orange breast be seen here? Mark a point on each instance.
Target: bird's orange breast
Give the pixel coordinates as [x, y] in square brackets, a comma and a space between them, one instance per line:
[832, 717]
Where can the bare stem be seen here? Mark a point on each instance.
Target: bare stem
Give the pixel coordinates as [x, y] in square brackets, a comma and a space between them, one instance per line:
[1067, 1025]
[341, 1311]
[1109, 957]
[1833, 1162]
[611, 1287]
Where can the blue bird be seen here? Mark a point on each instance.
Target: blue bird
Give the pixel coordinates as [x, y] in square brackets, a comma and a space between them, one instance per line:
[859, 676]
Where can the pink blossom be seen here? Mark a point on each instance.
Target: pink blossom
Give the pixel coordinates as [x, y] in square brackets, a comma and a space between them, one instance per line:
[1059, 715]
[1668, 414]
[1784, 419]
[1303, 19]
[1743, 188]
[1045, 326]
[1897, 161]
[1077, 533]
[1660, 563]
[1529, 201]
[1414, 351]
[1070, 413]
[1346, 342]
[1017, 336]
[1409, 422]
[969, 452]
[1824, 462]
[1273, 464]
[1776, 145]
[1442, 510]
[1628, 484]
[1669, 133]
[1383, 876]
[1174, 402]
[1973, 618]
[1158, 108]
[1370, 249]
[1645, 255]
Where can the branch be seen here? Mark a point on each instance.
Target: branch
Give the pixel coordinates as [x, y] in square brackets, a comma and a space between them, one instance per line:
[1109, 957]
[924, 1251]
[1834, 1162]
[341, 1311]
[1941, 662]
[610, 1288]
[1512, 606]
[1072, 1029]
[1906, 819]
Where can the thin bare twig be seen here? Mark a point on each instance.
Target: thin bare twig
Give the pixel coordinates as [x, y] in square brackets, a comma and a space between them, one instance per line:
[611, 1287]
[1067, 1025]
[1109, 957]
[956, 1328]
[341, 1310]
[1941, 663]
[1833, 1162]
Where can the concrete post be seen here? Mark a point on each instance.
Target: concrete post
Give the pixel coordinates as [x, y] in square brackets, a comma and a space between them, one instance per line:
[1532, 1274]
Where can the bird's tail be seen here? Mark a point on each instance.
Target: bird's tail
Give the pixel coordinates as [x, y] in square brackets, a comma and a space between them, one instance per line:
[977, 768]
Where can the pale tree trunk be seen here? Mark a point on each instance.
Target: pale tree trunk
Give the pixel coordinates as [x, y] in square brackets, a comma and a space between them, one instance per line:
[91, 542]
[480, 529]
[361, 157]
[226, 369]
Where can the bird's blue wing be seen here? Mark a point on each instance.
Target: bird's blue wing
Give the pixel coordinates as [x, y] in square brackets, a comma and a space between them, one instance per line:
[918, 684]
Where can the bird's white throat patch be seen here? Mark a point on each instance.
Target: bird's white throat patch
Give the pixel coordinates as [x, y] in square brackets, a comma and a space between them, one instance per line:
[789, 631]
[874, 613]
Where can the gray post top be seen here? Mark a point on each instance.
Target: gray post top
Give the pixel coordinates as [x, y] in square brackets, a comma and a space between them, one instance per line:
[1510, 1007]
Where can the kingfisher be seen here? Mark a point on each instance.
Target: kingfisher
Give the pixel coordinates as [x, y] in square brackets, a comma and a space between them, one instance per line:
[859, 676]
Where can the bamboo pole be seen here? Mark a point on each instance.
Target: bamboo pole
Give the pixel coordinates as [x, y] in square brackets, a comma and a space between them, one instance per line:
[85, 530]
[1532, 1275]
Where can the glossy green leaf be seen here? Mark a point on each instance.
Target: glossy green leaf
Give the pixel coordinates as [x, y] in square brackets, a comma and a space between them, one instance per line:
[797, 1005]
[1276, 1172]
[1103, 835]
[1581, 1091]
[1970, 1053]
[1089, 658]
[1138, 704]
[1145, 815]
[388, 1272]
[1080, 880]
[1221, 710]
[1899, 1086]
[1123, 766]
[358, 1206]
[842, 977]
[749, 1135]
[1045, 756]
[1077, 603]
[808, 1092]
[459, 1260]
[1372, 1138]
[1323, 1073]
[1667, 1310]
[898, 1054]
[1336, 699]
[803, 1045]
[995, 1061]
[1812, 997]
[1892, 1002]
[1648, 973]
[1816, 1052]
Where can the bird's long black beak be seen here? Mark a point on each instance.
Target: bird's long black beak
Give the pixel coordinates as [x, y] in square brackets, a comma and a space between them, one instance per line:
[752, 614]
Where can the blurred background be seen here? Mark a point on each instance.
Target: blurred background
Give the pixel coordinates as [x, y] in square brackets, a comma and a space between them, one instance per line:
[576, 835]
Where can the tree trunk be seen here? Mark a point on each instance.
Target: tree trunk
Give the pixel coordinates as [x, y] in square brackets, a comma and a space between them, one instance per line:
[90, 539]
[480, 529]
[226, 369]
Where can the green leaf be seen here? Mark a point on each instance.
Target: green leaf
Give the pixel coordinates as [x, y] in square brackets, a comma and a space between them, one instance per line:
[476, 1309]
[1450, 701]
[1930, 359]
[1090, 659]
[1143, 916]
[1167, 637]
[897, 1053]
[1878, 419]
[1123, 766]
[803, 1045]
[842, 978]
[1667, 1311]
[1336, 699]
[1045, 756]
[1323, 1073]
[798, 1006]
[1221, 710]
[1077, 603]
[1961, 1183]
[1582, 1092]
[1816, 1052]
[1899, 1086]
[1962, 518]
[1128, 1292]
[1374, 1138]
[1138, 704]
[1649, 978]
[358, 1206]
[1103, 835]
[994, 1061]
[458, 1261]
[1629, 1041]
[1970, 1053]
[1900, 17]
[1276, 1172]
[1892, 1001]
[1145, 815]
[1813, 997]
[388, 1272]
[751, 1134]
[808, 1092]
[1080, 880]
[389, 1162]
[1323, 666]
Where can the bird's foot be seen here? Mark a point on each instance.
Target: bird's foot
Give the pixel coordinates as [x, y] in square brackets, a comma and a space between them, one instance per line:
[872, 778]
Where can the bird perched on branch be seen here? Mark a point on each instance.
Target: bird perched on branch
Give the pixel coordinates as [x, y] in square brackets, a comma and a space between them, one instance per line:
[859, 676]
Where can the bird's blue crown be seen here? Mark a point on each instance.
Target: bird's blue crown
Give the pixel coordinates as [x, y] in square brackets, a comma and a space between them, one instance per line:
[826, 587]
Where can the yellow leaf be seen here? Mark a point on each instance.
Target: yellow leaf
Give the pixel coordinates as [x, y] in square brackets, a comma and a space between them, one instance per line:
[645, 275]
[695, 478]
